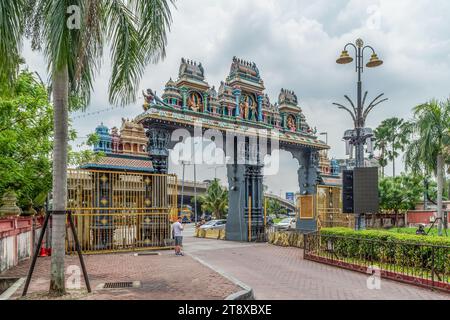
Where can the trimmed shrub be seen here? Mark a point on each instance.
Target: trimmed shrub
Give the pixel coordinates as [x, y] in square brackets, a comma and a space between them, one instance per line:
[402, 250]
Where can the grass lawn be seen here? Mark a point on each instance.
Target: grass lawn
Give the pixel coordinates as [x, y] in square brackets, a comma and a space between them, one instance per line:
[433, 232]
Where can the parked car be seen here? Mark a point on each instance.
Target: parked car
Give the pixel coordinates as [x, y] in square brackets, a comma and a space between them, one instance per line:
[214, 224]
[269, 220]
[206, 216]
[286, 223]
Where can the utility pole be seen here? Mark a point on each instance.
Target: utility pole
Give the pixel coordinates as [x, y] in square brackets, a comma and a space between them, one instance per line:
[195, 193]
[182, 188]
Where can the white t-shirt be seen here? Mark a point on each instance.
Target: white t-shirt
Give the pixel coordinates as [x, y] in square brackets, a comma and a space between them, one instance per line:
[177, 229]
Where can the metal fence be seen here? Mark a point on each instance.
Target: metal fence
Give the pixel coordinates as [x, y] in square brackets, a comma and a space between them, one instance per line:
[117, 211]
[329, 208]
[416, 263]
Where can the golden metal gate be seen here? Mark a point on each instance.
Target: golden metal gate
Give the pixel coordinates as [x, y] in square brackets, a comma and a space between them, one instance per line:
[329, 208]
[121, 211]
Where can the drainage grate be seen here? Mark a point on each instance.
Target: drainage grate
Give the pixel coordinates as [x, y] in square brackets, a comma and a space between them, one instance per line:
[147, 254]
[117, 285]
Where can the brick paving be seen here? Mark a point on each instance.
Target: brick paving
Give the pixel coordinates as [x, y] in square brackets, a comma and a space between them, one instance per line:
[281, 273]
[164, 276]
[273, 273]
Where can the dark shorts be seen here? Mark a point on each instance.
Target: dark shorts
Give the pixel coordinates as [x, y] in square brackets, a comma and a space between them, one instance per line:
[178, 240]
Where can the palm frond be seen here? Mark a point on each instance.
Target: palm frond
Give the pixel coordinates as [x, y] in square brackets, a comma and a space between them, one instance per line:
[11, 32]
[126, 53]
[154, 23]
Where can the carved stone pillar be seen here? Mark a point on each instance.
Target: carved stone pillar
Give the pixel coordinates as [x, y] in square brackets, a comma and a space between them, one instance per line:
[184, 92]
[308, 178]
[260, 101]
[205, 103]
[245, 221]
[237, 94]
[284, 120]
[158, 148]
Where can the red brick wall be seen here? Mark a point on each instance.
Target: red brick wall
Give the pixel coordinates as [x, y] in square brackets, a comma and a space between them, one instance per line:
[421, 216]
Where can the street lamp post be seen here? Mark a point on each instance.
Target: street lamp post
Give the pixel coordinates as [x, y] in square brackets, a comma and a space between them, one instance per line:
[182, 187]
[359, 135]
[195, 193]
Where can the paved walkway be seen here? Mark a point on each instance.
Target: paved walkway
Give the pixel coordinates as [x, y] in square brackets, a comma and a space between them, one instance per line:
[164, 276]
[273, 273]
[281, 273]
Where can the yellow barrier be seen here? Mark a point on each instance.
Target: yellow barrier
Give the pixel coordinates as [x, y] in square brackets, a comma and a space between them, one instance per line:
[210, 233]
[286, 239]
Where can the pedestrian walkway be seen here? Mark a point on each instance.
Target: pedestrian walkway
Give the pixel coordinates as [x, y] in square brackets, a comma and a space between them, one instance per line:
[163, 276]
[281, 273]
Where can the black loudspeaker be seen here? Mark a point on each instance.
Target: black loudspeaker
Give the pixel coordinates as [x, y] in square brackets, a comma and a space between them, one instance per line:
[360, 190]
[365, 190]
[347, 192]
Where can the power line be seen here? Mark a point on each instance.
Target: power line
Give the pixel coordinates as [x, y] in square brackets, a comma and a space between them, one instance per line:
[88, 114]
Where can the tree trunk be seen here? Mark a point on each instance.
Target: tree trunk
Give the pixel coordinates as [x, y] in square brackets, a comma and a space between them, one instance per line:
[60, 122]
[393, 158]
[440, 185]
[393, 168]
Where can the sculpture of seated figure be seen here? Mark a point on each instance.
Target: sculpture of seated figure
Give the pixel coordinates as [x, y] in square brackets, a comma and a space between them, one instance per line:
[291, 124]
[191, 104]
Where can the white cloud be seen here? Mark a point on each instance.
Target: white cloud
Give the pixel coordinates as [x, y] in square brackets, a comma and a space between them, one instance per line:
[295, 44]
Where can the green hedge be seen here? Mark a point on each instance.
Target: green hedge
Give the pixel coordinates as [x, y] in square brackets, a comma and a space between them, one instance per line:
[391, 248]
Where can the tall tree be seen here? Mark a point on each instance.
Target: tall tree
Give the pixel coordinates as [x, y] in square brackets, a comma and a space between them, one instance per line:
[215, 200]
[72, 34]
[381, 135]
[400, 193]
[430, 138]
[391, 137]
[26, 132]
[274, 208]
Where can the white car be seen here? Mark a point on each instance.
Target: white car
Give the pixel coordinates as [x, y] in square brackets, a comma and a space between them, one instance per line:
[286, 223]
[214, 224]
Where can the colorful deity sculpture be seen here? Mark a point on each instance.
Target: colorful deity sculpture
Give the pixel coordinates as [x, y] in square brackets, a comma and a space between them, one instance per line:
[291, 123]
[149, 99]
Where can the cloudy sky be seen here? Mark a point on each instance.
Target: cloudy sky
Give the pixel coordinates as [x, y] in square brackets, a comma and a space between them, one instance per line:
[295, 45]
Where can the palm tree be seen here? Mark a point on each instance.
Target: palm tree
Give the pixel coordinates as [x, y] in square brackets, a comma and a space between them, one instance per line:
[73, 34]
[381, 134]
[274, 208]
[215, 200]
[391, 136]
[429, 145]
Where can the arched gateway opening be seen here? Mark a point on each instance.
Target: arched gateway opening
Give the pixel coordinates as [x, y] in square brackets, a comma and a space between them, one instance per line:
[251, 127]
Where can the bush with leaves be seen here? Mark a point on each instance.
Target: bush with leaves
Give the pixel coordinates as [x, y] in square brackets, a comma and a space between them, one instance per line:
[402, 250]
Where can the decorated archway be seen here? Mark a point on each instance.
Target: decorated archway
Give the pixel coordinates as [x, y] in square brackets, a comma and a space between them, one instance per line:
[248, 136]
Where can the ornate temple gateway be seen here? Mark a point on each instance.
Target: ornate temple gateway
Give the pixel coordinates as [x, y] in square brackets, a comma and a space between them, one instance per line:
[239, 108]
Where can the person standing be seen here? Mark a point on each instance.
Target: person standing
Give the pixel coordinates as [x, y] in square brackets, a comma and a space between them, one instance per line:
[177, 228]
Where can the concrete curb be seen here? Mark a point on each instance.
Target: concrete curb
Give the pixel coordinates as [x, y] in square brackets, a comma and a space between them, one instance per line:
[245, 294]
[11, 290]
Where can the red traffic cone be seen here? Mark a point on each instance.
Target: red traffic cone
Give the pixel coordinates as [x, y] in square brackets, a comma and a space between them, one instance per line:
[43, 252]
